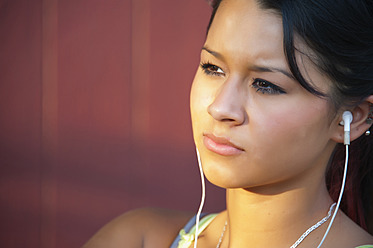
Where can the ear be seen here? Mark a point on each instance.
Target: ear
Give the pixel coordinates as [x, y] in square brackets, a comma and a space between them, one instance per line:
[359, 123]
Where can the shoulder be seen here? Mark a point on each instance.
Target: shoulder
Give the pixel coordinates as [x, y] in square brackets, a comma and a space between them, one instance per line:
[146, 227]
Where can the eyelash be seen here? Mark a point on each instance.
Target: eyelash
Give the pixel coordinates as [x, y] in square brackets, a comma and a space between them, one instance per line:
[265, 87]
[260, 85]
[211, 69]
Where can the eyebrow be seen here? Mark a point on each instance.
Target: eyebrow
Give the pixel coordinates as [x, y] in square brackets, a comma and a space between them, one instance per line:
[256, 68]
[215, 54]
[271, 69]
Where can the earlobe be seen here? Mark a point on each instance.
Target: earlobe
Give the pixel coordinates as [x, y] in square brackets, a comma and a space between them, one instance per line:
[370, 115]
[369, 119]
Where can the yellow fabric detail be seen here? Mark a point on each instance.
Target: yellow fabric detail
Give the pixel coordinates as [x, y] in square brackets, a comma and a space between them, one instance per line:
[186, 239]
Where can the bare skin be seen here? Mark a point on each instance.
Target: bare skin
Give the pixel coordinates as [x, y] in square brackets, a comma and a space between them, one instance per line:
[140, 228]
[262, 137]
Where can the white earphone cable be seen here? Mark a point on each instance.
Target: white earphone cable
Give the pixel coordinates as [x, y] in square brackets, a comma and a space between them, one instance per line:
[202, 198]
[339, 199]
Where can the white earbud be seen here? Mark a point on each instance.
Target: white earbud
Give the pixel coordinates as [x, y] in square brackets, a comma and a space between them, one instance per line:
[347, 119]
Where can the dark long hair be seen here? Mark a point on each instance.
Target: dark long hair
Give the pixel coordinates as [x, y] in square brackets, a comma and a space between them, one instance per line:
[340, 32]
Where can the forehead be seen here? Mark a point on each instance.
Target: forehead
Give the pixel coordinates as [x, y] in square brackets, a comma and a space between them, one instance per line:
[240, 27]
[246, 34]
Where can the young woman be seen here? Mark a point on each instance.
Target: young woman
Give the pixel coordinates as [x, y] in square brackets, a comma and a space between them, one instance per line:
[267, 104]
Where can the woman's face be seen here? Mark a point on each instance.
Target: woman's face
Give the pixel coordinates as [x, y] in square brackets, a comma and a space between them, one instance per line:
[253, 124]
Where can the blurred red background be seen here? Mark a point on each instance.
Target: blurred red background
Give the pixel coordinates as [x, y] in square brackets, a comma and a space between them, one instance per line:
[94, 114]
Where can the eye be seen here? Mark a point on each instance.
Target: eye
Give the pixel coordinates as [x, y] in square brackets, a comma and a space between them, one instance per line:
[265, 87]
[211, 69]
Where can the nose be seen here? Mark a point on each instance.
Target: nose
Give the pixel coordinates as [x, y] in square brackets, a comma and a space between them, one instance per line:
[228, 105]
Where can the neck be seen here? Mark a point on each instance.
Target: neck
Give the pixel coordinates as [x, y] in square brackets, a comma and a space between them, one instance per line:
[282, 214]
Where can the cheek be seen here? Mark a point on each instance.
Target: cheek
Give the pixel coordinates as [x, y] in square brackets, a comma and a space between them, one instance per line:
[286, 129]
[196, 102]
[201, 96]
[199, 101]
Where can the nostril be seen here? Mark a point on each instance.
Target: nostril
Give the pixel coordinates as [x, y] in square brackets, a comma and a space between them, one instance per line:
[227, 120]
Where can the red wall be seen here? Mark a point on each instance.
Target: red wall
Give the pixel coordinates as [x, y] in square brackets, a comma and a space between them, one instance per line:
[94, 114]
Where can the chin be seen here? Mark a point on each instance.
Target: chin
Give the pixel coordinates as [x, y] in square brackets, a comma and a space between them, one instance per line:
[224, 179]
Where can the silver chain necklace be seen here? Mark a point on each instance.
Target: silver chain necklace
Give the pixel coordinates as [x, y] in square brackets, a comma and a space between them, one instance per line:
[301, 238]
[222, 234]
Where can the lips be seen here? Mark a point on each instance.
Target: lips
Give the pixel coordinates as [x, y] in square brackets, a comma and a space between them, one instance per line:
[221, 145]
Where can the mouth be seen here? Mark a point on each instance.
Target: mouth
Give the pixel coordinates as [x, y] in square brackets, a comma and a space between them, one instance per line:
[221, 145]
